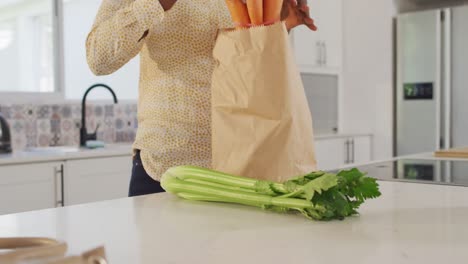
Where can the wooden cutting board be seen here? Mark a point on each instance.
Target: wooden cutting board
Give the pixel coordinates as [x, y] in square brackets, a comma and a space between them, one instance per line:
[453, 153]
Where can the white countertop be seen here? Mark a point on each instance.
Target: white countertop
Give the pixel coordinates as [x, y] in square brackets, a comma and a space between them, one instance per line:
[67, 153]
[341, 135]
[410, 223]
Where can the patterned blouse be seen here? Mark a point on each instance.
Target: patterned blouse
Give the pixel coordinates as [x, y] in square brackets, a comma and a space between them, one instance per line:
[176, 65]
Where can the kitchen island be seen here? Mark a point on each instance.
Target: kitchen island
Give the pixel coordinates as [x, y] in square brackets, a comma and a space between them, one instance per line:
[410, 223]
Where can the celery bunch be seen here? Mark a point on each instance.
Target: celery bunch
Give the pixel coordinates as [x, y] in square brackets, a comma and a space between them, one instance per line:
[318, 195]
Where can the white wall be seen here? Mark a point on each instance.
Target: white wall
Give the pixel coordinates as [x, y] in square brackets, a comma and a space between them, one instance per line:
[9, 60]
[78, 19]
[368, 71]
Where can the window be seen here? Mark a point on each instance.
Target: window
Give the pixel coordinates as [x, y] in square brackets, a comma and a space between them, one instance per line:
[43, 52]
[78, 18]
[27, 46]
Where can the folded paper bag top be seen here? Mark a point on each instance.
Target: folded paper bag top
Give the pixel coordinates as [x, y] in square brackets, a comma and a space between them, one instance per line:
[261, 121]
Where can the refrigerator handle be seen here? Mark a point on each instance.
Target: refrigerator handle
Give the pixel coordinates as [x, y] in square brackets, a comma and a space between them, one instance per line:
[447, 116]
[438, 81]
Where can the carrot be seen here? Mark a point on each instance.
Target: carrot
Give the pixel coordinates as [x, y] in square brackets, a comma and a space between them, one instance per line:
[255, 8]
[272, 10]
[239, 13]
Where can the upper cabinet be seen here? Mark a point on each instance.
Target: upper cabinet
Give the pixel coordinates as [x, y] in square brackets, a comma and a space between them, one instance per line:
[321, 51]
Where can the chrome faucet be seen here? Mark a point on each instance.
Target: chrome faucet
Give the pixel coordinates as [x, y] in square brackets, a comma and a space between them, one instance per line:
[84, 136]
[5, 138]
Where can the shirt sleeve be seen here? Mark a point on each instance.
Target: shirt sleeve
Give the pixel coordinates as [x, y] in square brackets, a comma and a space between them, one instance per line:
[223, 17]
[119, 31]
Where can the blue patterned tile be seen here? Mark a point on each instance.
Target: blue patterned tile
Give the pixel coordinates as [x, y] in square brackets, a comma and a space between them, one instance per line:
[77, 122]
[128, 110]
[18, 127]
[109, 135]
[29, 112]
[109, 110]
[18, 112]
[76, 111]
[43, 125]
[55, 140]
[43, 140]
[6, 111]
[18, 141]
[119, 136]
[55, 109]
[119, 110]
[100, 135]
[68, 139]
[109, 122]
[66, 111]
[132, 135]
[119, 124]
[55, 125]
[31, 141]
[43, 111]
[98, 111]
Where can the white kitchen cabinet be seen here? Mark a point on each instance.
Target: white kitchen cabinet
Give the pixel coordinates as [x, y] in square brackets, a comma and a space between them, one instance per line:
[28, 187]
[97, 179]
[321, 51]
[330, 153]
[341, 151]
[361, 150]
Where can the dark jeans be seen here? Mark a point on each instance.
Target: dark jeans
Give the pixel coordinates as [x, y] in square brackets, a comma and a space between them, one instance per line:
[141, 183]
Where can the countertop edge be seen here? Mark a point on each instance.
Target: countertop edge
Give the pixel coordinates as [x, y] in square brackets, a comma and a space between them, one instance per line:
[27, 158]
[341, 135]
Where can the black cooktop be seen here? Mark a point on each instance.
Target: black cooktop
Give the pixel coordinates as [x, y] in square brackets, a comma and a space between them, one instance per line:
[445, 172]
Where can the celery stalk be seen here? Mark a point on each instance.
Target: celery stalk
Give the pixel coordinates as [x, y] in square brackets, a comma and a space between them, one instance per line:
[221, 186]
[192, 172]
[318, 195]
[177, 186]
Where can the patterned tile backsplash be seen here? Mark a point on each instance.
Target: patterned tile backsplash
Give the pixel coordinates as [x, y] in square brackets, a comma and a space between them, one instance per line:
[59, 124]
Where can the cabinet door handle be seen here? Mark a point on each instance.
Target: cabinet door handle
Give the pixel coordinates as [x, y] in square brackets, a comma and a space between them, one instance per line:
[349, 151]
[352, 151]
[346, 148]
[324, 53]
[319, 53]
[59, 174]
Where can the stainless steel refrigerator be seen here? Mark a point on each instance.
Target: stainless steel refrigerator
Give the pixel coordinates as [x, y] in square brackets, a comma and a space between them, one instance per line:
[431, 80]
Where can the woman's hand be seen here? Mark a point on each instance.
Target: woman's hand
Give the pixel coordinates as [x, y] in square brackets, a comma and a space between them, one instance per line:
[296, 13]
[167, 4]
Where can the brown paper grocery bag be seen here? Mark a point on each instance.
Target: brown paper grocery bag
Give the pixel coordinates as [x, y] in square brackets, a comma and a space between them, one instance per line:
[261, 121]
